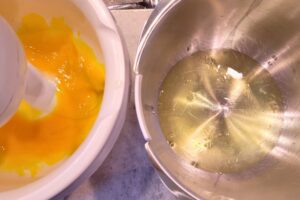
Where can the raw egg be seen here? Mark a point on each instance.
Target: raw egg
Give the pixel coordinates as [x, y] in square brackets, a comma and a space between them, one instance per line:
[28, 142]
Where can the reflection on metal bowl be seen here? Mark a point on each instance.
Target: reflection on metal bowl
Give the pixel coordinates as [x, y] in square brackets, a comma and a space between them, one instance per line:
[267, 32]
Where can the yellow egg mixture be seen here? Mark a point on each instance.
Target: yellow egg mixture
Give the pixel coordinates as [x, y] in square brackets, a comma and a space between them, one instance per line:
[29, 142]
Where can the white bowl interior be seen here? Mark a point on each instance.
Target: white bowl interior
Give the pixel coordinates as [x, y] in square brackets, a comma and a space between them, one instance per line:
[13, 11]
[93, 21]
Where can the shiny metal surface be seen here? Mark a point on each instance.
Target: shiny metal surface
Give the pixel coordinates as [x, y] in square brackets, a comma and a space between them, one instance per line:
[267, 31]
[134, 5]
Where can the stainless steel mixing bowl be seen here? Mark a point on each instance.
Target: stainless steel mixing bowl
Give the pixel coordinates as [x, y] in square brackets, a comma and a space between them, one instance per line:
[269, 32]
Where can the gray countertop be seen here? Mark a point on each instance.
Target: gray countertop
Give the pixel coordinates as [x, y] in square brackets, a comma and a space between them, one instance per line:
[126, 174]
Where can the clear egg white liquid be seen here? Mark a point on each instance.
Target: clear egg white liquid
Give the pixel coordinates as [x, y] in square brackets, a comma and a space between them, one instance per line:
[220, 110]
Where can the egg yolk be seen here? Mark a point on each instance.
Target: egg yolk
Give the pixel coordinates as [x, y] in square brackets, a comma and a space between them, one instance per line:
[28, 143]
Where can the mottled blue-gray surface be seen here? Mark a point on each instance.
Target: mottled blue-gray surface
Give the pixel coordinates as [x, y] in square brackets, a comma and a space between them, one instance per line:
[126, 174]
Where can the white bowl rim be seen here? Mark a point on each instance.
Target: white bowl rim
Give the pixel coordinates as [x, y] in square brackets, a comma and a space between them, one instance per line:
[115, 97]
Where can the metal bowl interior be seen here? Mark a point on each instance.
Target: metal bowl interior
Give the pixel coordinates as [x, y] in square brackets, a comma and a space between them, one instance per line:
[260, 29]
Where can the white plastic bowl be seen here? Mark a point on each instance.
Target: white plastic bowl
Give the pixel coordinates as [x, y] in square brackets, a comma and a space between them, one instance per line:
[96, 25]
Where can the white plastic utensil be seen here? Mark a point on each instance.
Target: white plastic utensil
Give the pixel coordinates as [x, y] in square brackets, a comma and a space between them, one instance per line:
[19, 79]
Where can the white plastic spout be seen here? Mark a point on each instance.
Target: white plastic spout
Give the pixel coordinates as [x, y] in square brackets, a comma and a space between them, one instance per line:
[39, 90]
